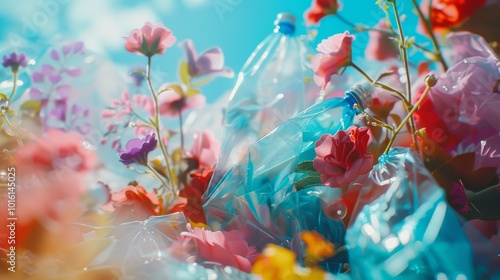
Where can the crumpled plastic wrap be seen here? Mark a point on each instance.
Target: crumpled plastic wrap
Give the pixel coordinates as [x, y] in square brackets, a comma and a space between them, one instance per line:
[257, 196]
[409, 231]
[466, 96]
[153, 249]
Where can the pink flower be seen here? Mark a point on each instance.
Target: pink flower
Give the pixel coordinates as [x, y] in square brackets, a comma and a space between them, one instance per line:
[381, 46]
[320, 9]
[210, 62]
[205, 149]
[341, 158]
[150, 40]
[173, 101]
[57, 150]
[335, 53]
[226, 248]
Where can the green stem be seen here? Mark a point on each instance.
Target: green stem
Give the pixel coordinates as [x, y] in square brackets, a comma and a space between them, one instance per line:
[428, 28]
[14, 87]
[384, 86]
[182, 131]
[405, 120]
[159, 177]
[11, 127]
[182, 142]
[157, 120]
[407, 70]
[347, 22]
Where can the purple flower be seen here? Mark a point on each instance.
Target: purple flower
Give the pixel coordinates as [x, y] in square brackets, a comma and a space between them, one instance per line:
[137, 150]
[210, 62]
[14, 61]
[137, 75]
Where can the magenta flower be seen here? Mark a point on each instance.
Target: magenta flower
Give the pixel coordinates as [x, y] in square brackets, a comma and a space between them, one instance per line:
[334, 54]
[226, 248]
[205, 149]
[341, 158]
[381, 46]
[459, 198]
[210, 62]
[150, 40]
[14, 61]
[137, 150]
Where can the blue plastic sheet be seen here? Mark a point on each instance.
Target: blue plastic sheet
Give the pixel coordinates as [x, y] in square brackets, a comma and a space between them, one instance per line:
[409, 231]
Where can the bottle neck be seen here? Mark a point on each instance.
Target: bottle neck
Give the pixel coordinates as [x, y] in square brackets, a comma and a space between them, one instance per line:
[285, 24]
[360, 94]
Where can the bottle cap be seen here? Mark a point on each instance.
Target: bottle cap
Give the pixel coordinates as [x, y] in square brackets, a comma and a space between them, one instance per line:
[285, 23]
[362, 93]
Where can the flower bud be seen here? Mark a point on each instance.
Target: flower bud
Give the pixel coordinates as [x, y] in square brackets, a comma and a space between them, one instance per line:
[431, 80]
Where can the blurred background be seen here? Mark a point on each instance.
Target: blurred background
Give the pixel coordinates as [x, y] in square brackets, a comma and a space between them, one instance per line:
[237, 26]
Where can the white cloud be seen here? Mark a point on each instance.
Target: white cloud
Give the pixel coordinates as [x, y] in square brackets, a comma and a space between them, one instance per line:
[102, 25]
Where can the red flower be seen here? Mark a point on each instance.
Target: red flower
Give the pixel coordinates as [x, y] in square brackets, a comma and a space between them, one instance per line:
[426, 117]
[320, 9]
[134, 203]
[341, 158]
[450, 13]
[335, 53]
[193, 191]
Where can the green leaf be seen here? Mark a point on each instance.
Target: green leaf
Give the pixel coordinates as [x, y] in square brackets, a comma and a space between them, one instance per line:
[177, 88]
[31, 105]
[192, 92]
[307, 182]
[184, 72]
[202, 82]
[3, 96]
[307, 167]
[409, 42]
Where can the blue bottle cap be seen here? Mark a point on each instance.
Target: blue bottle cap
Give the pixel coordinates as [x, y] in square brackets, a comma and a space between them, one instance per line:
[362, 93]
[285, 23]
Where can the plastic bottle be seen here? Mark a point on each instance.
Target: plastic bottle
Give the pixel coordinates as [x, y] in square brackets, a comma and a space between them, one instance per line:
[270, 89]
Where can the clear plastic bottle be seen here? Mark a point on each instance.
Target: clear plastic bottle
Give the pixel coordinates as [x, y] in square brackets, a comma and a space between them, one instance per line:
[259, 189]
[270, 89]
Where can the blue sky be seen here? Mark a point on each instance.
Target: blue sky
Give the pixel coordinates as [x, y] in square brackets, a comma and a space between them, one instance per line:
[237, 26]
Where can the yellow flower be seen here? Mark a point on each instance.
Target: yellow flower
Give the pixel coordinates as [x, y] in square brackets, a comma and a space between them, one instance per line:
[317, 247]
[274, 262]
